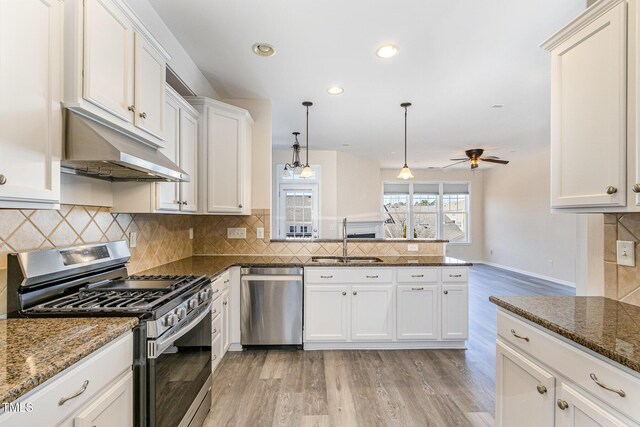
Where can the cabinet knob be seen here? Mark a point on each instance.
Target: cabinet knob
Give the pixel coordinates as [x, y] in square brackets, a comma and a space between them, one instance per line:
[3, 179]
[344, 293]
[131, 108]
[562, 404]
[636, 188]
[240, 206]
[446, 292]
[611, 190]
[224, 303]
[355, 293]
[541, 389]
[143, 115]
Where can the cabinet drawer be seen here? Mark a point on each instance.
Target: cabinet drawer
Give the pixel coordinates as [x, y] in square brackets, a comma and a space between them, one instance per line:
[575, 364]
[418, 275]
[349, 275]
[216, 308]
[220, 284]
[96, 371]
[455, 275]
[216, 327]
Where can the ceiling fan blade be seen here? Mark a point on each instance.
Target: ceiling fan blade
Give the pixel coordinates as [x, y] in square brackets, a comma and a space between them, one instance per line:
[457, 160]
[502, 162]
[456, 163]
[490, 157]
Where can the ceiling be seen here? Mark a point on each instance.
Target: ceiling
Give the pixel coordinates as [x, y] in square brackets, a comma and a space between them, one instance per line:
[457, 58]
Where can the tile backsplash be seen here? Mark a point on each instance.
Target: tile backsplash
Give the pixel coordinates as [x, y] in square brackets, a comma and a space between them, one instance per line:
[621, 283]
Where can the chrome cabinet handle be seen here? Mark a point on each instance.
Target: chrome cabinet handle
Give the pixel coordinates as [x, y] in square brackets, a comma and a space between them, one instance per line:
[215, 291]
[344, 293]
[3, 179]
[215, 356]
[562, 404]
[595, 379]
[372, 277]
[417, 275]
[446, 292]
[326, 277]
[541, 389]
[418, 289]
[132, 108]
[355, 293]
[455, 275]
[636, 188]
[215, 330]
[611, 190]
[513, 332]
[227, 281]
[215, 311]
[62, 400]
[143, 115]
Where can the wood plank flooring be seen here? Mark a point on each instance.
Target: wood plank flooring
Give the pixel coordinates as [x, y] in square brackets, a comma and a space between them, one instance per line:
[375, 388]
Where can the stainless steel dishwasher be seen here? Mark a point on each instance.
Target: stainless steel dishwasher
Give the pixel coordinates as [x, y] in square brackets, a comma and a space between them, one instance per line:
[271, 306]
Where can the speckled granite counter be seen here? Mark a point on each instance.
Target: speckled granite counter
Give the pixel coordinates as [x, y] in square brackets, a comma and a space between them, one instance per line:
[608, 327]
[215, 264]
[34, 350]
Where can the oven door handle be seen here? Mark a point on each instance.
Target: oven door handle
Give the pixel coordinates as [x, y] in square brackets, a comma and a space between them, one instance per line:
[155, 347]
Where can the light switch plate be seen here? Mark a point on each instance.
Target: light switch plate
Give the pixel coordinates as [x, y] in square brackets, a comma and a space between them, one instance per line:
[237, 233]
[133, 239]
[413, 247]
[260, 232]
[625, 251]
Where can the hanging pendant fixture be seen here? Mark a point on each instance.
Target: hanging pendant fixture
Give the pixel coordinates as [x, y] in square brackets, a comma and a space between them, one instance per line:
[307, 172]
[405, 173]
[295, 166]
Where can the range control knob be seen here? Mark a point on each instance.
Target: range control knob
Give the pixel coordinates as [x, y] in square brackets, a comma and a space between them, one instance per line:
[192, 304]
[181, 312]
[205, 295]
[171, 320]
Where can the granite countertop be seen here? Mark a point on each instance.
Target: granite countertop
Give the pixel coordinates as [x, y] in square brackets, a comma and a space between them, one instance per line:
[605, 326]
[34, 350]
[213, 265]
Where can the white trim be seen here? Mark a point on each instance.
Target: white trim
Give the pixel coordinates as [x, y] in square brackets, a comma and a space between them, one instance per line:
[528, 273]
[405, 345]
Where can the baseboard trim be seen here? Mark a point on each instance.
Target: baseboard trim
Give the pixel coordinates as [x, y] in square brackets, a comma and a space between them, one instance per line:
[528, 273]
[392, 345]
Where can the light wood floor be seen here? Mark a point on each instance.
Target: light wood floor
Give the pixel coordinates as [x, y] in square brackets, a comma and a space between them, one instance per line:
[375, 388]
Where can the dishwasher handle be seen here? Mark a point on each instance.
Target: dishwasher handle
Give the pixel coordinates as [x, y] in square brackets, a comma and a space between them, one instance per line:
[271, 278]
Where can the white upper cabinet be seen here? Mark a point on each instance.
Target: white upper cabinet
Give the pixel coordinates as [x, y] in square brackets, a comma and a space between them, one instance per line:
[168, 193]
[114, 69]
[225, 157]
[189, 159]
[30, 94]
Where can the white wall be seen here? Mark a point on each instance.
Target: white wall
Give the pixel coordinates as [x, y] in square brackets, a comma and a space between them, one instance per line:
[260, 110]
[472, 251]
[358, 189]
[520, 231]
[181, 63]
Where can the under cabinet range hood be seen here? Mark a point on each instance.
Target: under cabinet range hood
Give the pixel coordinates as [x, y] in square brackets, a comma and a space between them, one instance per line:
[98, 151]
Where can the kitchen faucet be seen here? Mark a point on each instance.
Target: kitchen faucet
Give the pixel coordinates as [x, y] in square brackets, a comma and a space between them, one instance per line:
[344, 237]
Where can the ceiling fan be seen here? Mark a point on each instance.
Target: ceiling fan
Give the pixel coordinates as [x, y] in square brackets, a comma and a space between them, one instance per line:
[474, 156]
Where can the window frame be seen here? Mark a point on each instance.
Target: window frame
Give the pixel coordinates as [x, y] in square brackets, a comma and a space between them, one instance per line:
[293, 184]
[440, 212]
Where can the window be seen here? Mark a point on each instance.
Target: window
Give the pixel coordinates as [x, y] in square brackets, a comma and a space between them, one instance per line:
[426, 211]
[297, 207]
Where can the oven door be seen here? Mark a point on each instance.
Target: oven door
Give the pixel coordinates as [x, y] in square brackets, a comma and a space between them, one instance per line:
[179, 373]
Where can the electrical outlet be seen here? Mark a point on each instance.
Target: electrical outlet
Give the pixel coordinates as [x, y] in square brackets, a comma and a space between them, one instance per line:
[133, 239]
[237, 233]
[260, 232]
[413, 247]
[626, 253]
[191, 233]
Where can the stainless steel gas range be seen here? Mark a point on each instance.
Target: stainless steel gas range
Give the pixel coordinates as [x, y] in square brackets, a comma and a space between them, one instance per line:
[172, 354]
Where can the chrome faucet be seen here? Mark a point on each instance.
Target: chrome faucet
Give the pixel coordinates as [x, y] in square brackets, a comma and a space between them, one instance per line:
[344, 237]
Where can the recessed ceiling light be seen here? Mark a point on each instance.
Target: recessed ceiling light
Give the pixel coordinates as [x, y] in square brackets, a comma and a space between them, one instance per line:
[497, 106]
[335, 90]
[387, 51]
[263, 49]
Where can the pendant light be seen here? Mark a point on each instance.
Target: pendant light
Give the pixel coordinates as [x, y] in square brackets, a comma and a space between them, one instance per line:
[405, 173]
[295, 166]
[307, 172]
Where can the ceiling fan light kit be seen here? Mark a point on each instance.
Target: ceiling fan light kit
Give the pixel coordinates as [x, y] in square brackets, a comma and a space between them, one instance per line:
[474, 157]
[405, 172]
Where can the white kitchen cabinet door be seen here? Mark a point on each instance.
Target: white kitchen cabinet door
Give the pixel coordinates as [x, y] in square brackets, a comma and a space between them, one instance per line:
[326, 310]
[168, 193]
[189, 160]
[588, 114]
[108, 59]
[114, 406]
[226, 328]
[372, 312]
[418, 312]
[581, 411]
[225, 161]
[455, 312]
[524, 391]
[30, 94]
[149, 83]
[216, 352]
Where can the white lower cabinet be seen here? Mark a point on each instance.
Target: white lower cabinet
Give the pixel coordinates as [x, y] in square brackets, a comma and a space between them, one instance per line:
[455, 311]
[113, 408]
[326, 312]
[372, 312]
[542, 380]
[226, 329]
[220, 318]
[417, 312]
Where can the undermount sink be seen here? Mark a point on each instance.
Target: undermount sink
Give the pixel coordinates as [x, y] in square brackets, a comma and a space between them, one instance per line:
[347, 260]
